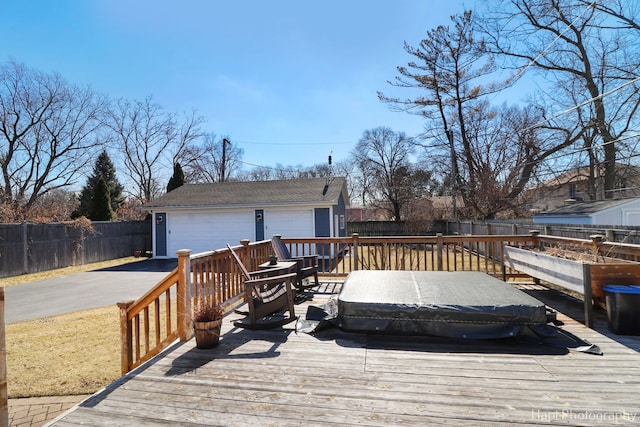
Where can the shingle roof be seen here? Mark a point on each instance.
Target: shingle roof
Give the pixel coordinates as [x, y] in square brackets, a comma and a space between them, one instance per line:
[584, 208]
[253, 193]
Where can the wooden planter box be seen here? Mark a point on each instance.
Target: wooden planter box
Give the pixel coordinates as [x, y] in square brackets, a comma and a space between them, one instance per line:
[583, 277]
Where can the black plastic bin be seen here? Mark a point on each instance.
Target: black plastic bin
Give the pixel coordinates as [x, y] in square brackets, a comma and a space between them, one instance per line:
[623, 309]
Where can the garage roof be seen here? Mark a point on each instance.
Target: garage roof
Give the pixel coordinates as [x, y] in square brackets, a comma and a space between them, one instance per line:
[325, 191]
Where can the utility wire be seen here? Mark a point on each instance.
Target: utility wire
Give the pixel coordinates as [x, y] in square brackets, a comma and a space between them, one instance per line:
[534, 126]
[291, 143]
[552, 42]
[588, 101]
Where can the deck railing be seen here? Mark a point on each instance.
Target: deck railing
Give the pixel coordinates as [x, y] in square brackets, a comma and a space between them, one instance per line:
[339, 256]
[164, 314]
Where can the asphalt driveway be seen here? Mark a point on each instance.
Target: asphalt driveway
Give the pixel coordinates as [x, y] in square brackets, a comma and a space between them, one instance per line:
[80, 291]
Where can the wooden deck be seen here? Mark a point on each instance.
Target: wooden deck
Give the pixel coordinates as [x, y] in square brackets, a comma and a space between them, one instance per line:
[280, 378]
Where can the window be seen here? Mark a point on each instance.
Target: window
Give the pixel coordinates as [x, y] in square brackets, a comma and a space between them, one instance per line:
[573, 190]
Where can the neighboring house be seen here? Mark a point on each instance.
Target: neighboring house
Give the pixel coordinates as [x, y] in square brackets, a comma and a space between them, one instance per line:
[204, 217]
[368, 213]
[602, 212]
[442, 206]
[574, 186]
[356, 213]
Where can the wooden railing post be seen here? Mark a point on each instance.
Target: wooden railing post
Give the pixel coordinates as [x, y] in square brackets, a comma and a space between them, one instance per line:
[244, 255]
[609, 234]
[439, 249]
[597, 240]
[185, 328]
[126, 337]
[588, 295]
[355, 237]
[535, 237]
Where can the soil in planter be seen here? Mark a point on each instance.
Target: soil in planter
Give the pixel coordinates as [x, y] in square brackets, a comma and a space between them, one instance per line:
[588, 257]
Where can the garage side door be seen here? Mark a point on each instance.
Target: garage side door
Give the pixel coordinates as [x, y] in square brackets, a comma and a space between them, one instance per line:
[289, 223]
[208, 231]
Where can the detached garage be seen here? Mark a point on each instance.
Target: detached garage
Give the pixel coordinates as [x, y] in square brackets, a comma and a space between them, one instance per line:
[203, 217]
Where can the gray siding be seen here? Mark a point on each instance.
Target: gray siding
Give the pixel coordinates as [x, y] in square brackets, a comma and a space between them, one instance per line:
[341, 210]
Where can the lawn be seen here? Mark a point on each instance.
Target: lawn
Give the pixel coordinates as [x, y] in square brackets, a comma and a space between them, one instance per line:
[75, 353]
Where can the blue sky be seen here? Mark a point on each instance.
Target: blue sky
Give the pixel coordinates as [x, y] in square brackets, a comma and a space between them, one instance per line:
[288, 81]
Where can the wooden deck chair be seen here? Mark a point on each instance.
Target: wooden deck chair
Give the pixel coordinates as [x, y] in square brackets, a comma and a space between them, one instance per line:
[306, 265]
[269, 295]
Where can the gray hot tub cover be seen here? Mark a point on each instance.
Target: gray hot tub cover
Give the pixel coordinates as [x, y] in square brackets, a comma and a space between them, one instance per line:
[470, 305]
[453, 304]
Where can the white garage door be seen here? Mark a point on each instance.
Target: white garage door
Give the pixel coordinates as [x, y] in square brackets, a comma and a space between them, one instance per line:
[289, 223]
[207, 231]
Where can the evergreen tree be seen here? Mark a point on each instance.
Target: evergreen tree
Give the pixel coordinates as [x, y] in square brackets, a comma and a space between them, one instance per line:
[177, 179]
[101, 202]
[102, 168]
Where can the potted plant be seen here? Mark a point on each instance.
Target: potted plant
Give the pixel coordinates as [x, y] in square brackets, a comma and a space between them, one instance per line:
[207, 321]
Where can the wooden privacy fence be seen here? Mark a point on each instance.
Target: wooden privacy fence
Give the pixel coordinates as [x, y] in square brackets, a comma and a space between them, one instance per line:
[163, 314]
[377, 228]
[619, 234]
[31, 248]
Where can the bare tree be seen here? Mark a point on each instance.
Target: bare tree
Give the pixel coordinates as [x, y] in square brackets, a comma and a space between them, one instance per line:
[319, 170]
[49, 129]
[384, 159]
[347, 169]
[361, 182]
[53, 206]
[260, 173]
[506, 147]
[487, 154]
[586, 46]
[282, 172]
[215, 160]
[147, 135]
[450, 72]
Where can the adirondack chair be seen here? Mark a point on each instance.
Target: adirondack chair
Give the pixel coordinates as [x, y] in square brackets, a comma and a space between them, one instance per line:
[269, 295]
[306, 265]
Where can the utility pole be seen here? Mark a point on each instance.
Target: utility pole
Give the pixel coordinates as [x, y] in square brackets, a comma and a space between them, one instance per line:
[225, 141]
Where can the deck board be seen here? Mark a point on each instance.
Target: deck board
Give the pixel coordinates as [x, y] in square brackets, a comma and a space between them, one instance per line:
[284, 378]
